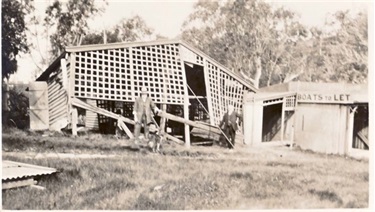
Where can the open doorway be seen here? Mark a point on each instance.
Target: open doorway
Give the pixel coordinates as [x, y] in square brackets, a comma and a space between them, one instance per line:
[198, 109]
[272, 117]
[197, 92]
[360, 128]
[271, 122]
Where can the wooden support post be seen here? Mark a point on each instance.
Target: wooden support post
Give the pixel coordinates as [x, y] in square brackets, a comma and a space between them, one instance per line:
[74, 121]
[186, 106]
[248, 117]
[164, 104]
[349, 130]
[208, 92]
[163, 119]
[186, 117]
[282, 120]
[70, 90]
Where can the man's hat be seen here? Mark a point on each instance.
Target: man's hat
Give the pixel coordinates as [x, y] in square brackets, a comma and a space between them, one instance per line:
[144, 90]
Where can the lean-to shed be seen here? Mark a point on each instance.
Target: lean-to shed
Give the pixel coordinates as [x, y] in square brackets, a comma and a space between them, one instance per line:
[110, 76]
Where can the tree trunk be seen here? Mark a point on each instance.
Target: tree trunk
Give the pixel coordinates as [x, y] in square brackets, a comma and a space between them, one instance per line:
[258, 70]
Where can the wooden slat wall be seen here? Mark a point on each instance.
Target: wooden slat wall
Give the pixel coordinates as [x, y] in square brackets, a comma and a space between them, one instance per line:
[57, 99]
[223, 88]
[91, 117]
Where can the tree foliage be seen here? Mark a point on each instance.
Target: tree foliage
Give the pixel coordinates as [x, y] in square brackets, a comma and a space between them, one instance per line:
[13, 33]
[127, 30]
[269, 45]
[343, 53]
[70, 21]
[17, 112]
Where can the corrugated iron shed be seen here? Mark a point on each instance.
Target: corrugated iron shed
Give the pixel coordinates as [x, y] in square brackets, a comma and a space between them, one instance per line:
[15, 170]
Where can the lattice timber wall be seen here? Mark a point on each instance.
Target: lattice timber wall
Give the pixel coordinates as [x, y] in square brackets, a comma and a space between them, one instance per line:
[174, 73]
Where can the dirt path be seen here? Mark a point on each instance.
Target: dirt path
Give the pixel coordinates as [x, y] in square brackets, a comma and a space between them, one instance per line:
[207, 153]
[36, 155]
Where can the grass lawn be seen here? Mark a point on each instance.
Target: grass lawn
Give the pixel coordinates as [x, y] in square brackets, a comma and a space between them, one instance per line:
[271, 177]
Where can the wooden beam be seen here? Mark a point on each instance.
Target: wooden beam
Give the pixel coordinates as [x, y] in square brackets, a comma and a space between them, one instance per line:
[363, 138]
[207, 127]
[84, 105]
[125, 128]
[282, 119]
[172, 138]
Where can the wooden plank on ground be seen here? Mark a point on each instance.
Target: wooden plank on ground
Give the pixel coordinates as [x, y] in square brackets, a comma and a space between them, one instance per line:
[172, 138]
[18, 183]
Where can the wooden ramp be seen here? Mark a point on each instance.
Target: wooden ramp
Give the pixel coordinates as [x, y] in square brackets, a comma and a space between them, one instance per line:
[17, 174]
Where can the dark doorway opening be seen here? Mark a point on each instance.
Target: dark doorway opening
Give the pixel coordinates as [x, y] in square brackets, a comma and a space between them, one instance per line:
[271, 122]
[360, 128]
[197, 92]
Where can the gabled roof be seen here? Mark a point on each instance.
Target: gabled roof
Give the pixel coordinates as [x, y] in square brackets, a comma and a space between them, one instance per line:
[159, 42]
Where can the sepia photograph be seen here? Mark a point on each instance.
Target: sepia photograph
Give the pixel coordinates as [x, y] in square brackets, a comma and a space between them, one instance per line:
[187, 104]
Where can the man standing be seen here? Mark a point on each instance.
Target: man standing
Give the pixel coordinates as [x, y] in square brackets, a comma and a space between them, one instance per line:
[142, 113]
[229, 125]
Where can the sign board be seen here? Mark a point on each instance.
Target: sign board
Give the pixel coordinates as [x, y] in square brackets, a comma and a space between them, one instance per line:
[334, 98]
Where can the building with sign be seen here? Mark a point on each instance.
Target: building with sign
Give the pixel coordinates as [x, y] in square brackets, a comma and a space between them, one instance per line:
[323, 117]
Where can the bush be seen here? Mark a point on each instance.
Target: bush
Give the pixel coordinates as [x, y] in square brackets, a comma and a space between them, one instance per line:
[18, 114]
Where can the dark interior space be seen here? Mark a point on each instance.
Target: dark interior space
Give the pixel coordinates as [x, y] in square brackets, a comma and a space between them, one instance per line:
[271, 122]
[360, 128]
[195, 79]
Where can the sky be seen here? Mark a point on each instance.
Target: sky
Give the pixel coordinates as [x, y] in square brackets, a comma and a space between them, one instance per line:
[166, 18]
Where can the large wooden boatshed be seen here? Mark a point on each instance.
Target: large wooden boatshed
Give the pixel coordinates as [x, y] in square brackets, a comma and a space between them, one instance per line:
[110, 76]
[323, 117]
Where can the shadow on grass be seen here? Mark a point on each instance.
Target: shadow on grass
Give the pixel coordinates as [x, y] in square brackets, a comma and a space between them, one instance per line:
[327, 195]
[275, 163]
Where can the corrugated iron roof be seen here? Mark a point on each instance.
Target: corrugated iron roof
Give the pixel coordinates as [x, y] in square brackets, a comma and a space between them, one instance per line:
[15, 170]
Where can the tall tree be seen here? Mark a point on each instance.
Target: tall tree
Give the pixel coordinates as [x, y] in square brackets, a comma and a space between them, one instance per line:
[245, 36]
[70, 21]
[339, 51]
[346, 50]
[13, 33]
[269, 45]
